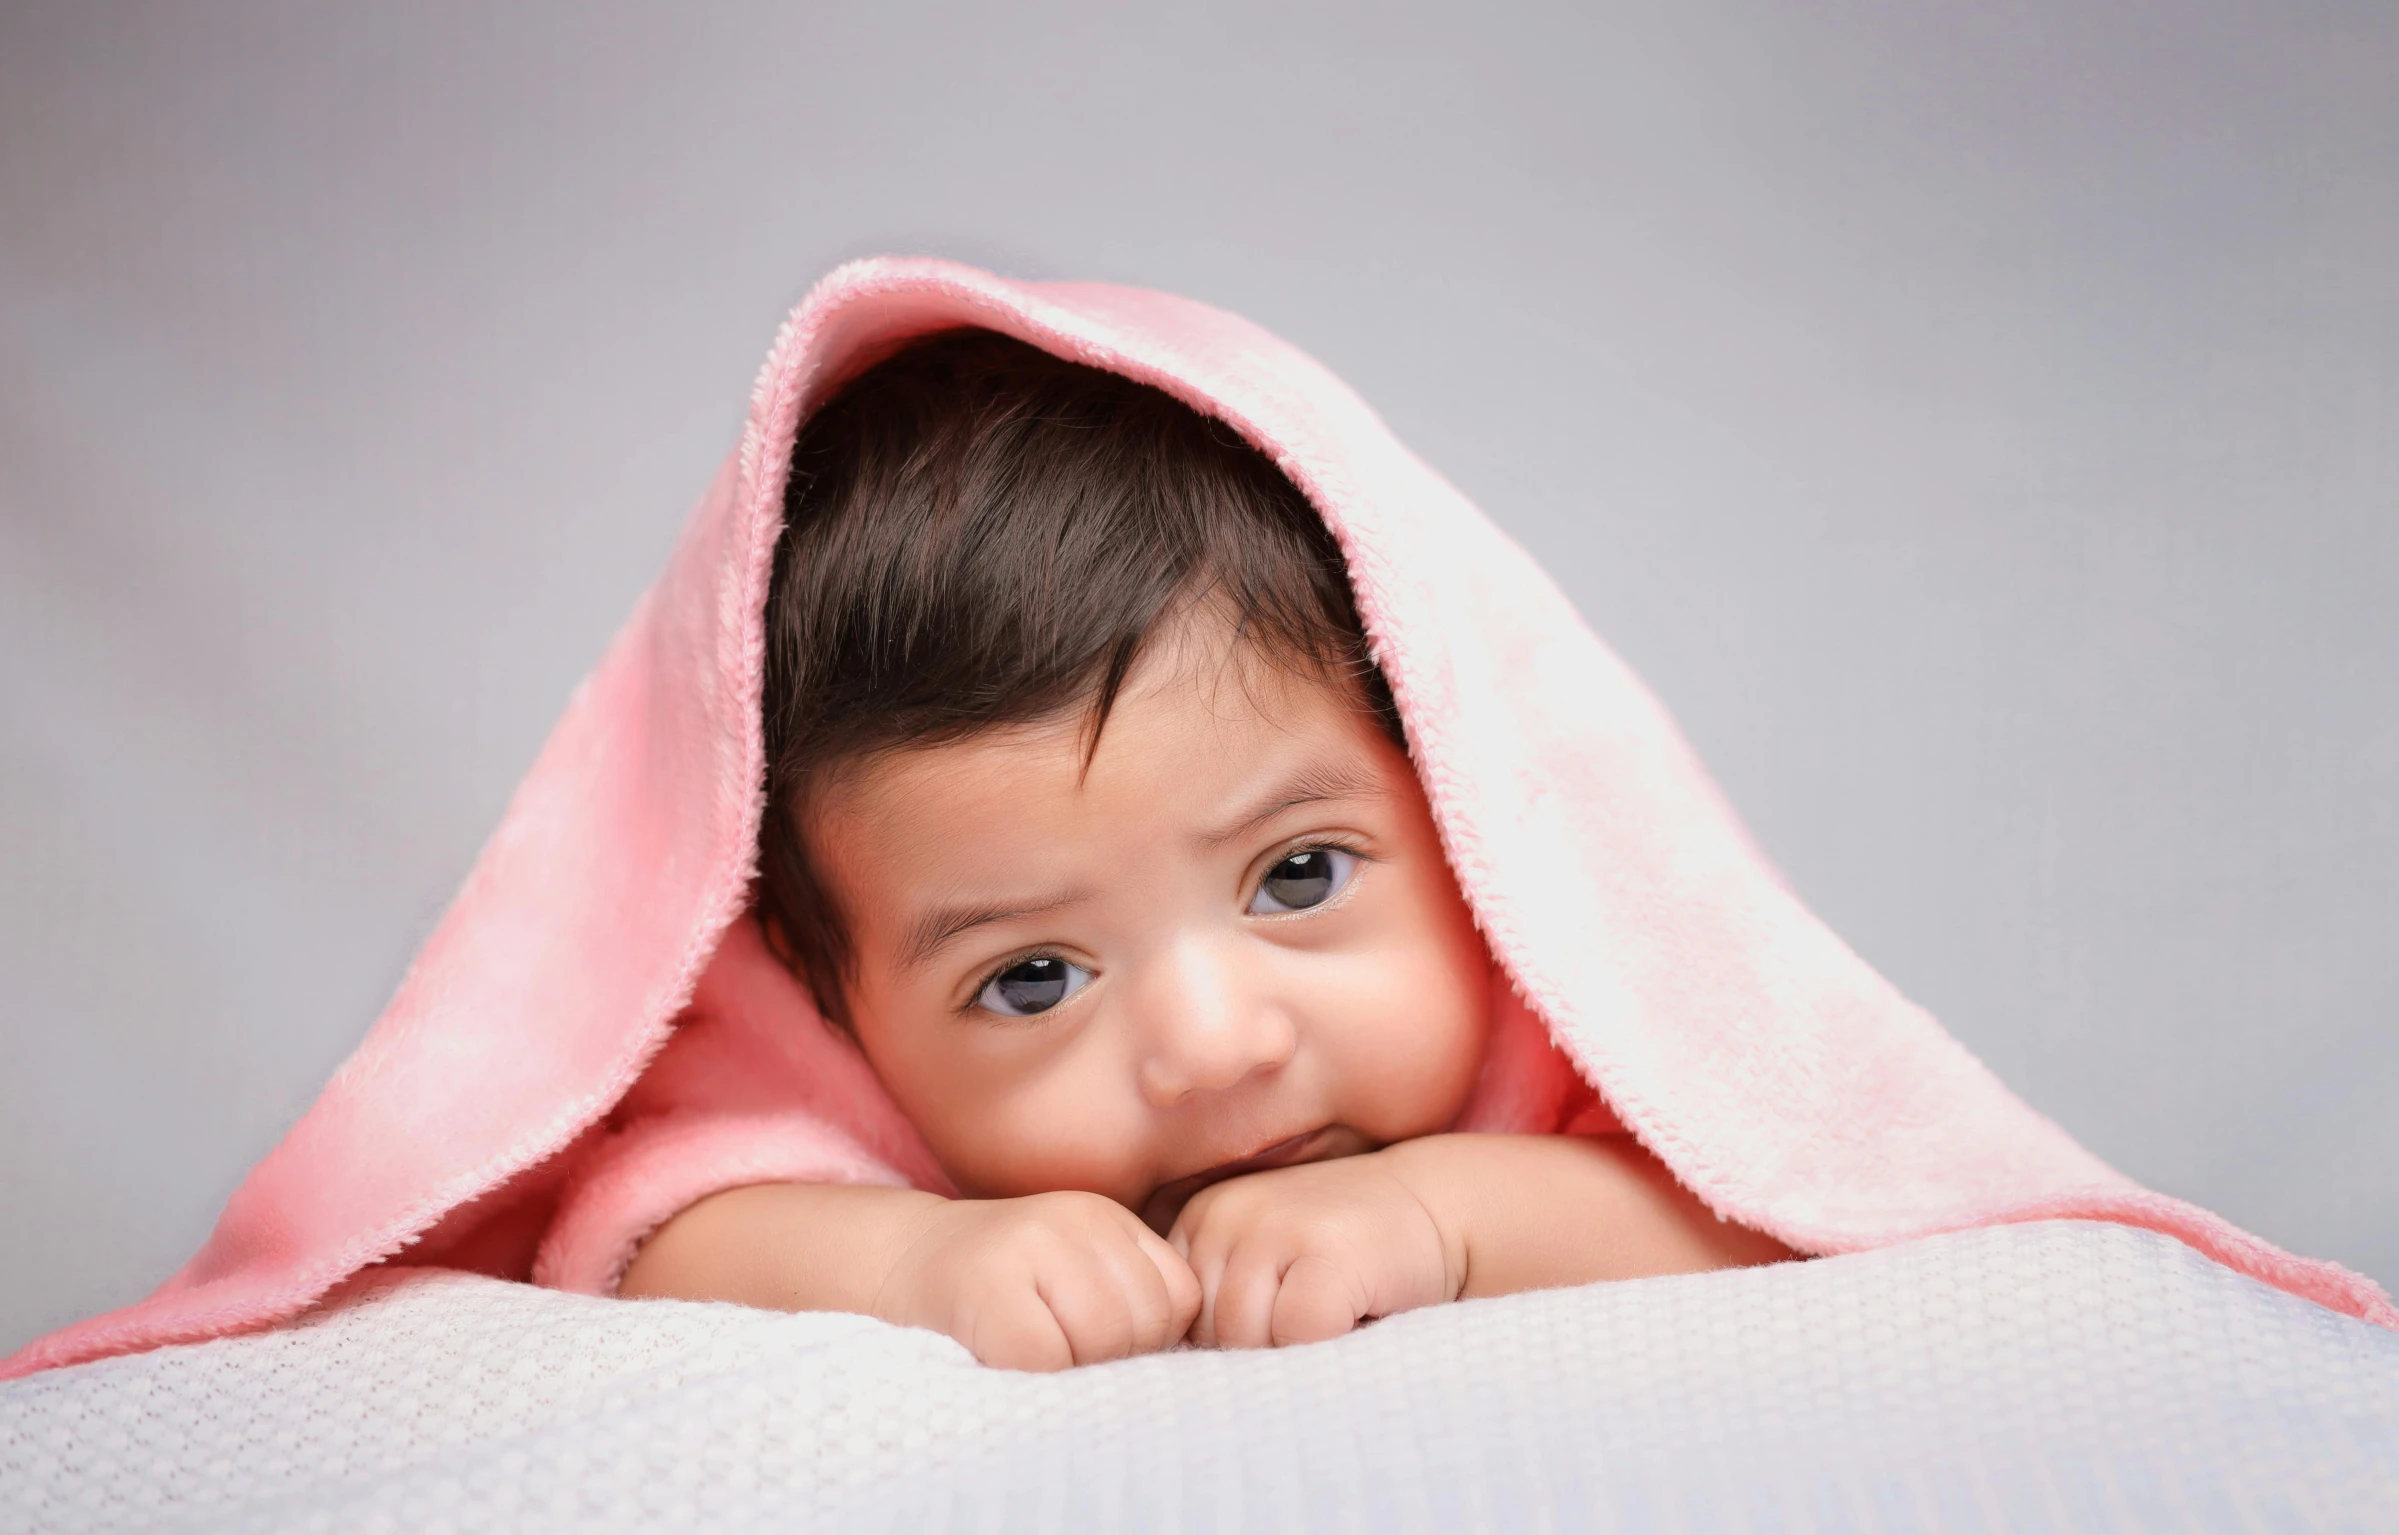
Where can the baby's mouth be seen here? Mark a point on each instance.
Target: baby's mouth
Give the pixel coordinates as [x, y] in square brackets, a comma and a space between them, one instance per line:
[1323, 1144]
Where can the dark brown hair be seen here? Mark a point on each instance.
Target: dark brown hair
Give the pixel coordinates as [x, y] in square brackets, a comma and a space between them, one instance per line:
[976, 534]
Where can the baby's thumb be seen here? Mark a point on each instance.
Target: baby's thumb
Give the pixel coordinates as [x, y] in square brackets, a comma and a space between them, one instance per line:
[1182, 1283]
[1317, 1301]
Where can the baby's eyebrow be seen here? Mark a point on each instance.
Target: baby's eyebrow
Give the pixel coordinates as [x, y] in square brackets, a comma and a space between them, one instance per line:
[929, 934]
[1312, 785]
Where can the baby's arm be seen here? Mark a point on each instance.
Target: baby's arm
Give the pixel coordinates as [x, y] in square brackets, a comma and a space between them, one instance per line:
[1038, 1283]
[1302, 1253]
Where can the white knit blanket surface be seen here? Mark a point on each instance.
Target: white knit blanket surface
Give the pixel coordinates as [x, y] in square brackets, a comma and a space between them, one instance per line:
[2061, 1376]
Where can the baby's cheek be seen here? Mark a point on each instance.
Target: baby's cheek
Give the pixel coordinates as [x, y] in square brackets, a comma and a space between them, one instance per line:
[1005, 1120]
[1407, 1049]
[1040, 1137]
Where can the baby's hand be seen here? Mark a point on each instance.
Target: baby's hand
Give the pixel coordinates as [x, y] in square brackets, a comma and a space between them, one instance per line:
[1040, 1283]
[1303, 1253]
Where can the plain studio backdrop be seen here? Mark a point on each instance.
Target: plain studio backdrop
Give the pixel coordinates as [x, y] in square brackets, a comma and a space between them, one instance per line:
[1980, 424]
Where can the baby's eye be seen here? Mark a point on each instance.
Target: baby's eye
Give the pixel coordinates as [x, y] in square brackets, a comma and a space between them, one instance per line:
[1309, 877]
[1032, 986]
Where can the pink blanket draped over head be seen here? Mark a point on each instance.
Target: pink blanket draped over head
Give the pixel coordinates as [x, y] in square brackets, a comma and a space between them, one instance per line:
[512, 1099]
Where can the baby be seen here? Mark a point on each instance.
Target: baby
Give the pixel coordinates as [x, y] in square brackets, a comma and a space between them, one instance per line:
[1092, 823]
[1096, 972]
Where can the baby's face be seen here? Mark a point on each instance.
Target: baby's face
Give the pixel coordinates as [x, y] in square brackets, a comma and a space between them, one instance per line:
[1232, 943]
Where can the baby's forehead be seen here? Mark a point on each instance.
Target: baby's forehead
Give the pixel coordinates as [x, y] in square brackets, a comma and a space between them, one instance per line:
[1185, 745]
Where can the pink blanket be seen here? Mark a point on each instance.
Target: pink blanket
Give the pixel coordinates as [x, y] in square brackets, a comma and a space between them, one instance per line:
[499, 1111]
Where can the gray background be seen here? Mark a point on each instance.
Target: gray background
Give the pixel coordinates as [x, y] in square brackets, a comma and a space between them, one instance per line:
[1980, 423]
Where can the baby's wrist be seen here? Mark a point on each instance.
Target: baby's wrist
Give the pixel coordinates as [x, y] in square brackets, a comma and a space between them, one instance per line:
[879, 1251]
[1431, 1169]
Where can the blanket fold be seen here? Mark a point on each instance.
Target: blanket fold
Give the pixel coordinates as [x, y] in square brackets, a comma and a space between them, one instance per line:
[1774, 1072]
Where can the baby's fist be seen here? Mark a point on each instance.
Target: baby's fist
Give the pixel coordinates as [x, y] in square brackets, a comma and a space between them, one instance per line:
[1041, 1283]
[1300, 1254]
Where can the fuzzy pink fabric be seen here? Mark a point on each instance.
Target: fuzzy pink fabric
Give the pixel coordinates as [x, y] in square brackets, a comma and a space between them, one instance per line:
[500, 1105]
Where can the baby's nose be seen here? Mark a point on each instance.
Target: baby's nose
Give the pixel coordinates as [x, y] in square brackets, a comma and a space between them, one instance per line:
[1209, 1027]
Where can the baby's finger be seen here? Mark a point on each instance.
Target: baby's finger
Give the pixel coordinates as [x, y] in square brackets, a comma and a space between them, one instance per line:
[1196, 1225]
[1240, 1311]
[1019, 1334]
[1203, 1237]
[1143, 1288]
[1090, 1305]
[1181, 1285]
[1318, 1299]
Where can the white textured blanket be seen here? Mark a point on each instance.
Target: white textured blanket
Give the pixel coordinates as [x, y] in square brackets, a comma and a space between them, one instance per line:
[2051, 1377]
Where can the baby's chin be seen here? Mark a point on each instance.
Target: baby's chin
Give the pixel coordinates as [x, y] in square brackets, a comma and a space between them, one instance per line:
[1166, 1201]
